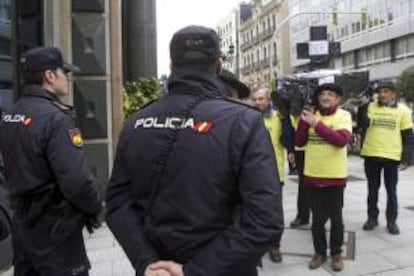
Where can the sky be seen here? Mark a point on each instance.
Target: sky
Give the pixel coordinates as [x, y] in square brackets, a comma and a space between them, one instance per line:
[173, 15]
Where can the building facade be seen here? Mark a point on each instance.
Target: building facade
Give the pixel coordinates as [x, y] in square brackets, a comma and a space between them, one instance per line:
[258, 52]
[227, 30]
[378, 37]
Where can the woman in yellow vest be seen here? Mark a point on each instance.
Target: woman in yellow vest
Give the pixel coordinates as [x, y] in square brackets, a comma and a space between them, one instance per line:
[387, 132]
[325, 134]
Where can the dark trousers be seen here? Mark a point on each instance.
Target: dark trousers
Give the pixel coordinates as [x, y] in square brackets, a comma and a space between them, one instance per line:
[303, 193]
[373, 169]
[36, 254]
[327, 203]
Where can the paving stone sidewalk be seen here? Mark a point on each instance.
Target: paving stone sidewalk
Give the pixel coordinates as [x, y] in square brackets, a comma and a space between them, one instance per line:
[374, 253]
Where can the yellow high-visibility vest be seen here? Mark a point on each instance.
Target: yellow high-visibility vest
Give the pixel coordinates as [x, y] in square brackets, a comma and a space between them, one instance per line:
[273, 124]
[383, 136]
[322, 159]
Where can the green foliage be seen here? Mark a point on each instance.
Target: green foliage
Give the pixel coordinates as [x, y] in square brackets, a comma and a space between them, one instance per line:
[138, 93]
[405, 85]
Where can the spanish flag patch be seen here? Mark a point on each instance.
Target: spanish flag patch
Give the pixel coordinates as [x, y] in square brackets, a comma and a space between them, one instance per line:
[76, 137]
[203, 127]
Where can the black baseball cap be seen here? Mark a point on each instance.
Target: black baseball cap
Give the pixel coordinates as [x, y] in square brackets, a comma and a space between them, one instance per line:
[384, 84]
[230, 79]
[195, 44]
[44, 58]
[329, 86]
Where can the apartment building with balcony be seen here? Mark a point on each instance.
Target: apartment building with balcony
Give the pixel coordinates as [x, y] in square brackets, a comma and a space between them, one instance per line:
[258, 52]
[381, 40]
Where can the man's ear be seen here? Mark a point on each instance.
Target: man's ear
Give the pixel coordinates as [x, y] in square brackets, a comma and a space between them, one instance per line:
[48, 76]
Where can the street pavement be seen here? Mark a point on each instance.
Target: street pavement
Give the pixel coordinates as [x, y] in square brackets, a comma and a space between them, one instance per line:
[373, 253]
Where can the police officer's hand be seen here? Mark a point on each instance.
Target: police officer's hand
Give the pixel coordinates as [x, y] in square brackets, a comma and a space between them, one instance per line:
[156, 272]
[175, 269]
[94, 221]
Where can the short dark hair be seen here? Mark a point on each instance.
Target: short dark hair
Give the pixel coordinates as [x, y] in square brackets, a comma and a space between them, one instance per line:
[202, 67]
[33, 77]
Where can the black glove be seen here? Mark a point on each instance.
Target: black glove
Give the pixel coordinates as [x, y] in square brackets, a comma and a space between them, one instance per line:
[94, 221]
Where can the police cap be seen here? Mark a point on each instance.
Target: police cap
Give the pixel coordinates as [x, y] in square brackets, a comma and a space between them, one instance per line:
[230, 79]
[44, 58]
[195, 44]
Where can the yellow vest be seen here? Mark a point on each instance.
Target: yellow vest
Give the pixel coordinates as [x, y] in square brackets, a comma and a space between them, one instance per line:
[274, 126]
[383, 137]
[322, 159]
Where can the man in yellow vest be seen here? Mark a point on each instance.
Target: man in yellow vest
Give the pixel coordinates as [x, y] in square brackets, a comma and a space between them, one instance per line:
[388, 136]
[273, 122]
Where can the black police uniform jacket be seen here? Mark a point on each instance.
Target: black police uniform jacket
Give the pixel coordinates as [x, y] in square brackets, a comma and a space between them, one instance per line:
[45, 163]
[195, 181]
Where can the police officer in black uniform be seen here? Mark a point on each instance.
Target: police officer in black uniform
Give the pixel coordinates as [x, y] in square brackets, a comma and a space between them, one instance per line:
[52, 192]
[193, 189]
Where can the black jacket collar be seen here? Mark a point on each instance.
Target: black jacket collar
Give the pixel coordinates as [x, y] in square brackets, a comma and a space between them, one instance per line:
[34, 90]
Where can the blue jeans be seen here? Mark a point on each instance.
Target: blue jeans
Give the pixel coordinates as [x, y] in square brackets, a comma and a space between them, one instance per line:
[373, 169]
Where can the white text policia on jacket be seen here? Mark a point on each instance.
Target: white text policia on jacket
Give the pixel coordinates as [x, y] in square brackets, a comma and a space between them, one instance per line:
[173, 123]
[17, 118]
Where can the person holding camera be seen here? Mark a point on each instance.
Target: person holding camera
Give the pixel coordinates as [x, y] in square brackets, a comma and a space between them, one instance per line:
[325, 132]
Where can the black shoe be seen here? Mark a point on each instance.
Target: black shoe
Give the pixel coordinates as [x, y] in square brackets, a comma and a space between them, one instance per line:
[298, 222]
[293, 172]
[393, 228]
[370, 224]
[275, 255]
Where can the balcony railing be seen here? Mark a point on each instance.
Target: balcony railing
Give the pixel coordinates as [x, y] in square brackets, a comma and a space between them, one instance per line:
[246, 45]
[265, 62]
[268, 33]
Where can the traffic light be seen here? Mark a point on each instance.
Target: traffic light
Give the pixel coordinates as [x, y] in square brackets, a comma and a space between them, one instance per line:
[335, 16]
[364, 17]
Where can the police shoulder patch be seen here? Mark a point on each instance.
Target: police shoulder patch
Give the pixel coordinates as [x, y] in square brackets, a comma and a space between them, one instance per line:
[76, 137]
